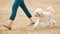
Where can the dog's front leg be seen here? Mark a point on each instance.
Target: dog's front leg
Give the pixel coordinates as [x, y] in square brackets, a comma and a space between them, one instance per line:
[36, 23]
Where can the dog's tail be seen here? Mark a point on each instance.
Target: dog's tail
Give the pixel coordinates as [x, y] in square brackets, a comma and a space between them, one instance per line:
[50, 9]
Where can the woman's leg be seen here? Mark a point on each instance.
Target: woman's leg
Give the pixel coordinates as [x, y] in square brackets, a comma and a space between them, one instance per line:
[14, 12]
[23, 6]
[13, 15]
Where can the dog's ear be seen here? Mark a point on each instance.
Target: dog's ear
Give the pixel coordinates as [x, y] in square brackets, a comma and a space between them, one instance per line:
[38, 10]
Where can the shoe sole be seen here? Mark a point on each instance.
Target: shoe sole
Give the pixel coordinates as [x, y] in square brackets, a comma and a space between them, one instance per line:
[7, 27]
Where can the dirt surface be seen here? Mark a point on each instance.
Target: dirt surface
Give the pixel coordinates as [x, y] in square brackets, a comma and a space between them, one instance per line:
[20, 24]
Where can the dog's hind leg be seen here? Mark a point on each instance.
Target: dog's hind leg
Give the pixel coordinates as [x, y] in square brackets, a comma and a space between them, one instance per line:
[46, 24]
[53, 21]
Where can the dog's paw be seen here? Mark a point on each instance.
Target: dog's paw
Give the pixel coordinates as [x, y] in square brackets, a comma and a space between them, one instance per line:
[35, 26]
[45, 25]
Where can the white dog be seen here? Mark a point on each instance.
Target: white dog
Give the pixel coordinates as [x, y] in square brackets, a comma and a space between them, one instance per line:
[46, 17]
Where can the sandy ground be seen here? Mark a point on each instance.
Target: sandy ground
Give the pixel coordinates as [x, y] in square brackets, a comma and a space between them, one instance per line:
[20, 24]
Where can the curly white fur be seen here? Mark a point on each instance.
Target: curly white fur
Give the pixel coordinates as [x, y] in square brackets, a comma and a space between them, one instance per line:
[42, 16]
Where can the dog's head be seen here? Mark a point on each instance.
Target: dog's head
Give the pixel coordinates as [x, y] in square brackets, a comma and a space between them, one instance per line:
[38, 11]
[50, 9]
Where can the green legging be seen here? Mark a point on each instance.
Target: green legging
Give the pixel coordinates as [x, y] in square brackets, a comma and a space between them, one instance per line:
[15, 6]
